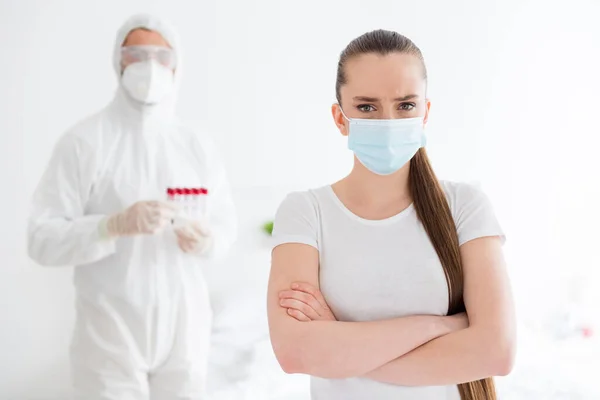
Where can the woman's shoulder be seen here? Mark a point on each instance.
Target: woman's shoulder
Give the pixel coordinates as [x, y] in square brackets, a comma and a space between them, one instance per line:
[472, 211]
[461, 191]
[463, 195]
[309, 199]
[297, 218]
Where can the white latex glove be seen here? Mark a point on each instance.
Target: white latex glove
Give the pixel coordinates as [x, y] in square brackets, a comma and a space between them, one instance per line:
[194, 238]
[142, 218]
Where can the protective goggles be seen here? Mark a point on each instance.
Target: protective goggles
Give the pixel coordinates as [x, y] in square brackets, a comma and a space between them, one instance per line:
[163, 55]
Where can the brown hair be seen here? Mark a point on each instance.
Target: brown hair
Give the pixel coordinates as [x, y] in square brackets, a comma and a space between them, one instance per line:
[427, 194]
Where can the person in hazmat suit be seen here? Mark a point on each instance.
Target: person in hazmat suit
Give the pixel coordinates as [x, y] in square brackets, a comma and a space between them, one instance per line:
[142, 308]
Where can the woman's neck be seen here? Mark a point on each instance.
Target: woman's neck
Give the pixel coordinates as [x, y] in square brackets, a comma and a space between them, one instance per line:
[364, 187]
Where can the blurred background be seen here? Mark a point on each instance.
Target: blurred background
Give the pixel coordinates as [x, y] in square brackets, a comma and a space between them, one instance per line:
[515, 94]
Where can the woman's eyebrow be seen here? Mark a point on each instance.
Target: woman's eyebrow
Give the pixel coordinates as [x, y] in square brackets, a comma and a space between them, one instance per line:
[407, 97]
[366, 98]
[375, 99]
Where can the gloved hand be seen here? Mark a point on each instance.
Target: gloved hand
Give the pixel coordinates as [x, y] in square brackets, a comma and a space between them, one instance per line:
[194, 238]
[144, 217]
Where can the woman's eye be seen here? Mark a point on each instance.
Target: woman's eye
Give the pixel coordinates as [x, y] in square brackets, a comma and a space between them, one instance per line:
[407, 106]
[365, 108]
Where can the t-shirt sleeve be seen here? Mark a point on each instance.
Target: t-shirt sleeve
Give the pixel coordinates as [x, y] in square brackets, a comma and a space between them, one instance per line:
[296, 221]
[474, 214]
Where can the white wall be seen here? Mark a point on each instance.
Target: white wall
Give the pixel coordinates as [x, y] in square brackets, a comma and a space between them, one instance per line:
[515, 90]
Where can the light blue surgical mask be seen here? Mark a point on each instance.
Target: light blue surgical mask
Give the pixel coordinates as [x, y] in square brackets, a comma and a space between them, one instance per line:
[384, 146]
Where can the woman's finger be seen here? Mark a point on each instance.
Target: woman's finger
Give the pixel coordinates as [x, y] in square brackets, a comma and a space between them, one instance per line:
[300, 306]
[303, 297]
[298, 315]
[314, 292]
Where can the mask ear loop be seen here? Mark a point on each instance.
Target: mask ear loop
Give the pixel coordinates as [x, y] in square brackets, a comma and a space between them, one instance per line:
[342, 111]
[347, 119]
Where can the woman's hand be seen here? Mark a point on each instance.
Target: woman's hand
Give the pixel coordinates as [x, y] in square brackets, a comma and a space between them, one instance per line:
[457, 322]
[305, 303]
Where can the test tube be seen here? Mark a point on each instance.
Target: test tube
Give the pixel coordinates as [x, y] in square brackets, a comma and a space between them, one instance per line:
[186, 202]
[194, 202]
[202, 201]
[177, 198]
[171, 198]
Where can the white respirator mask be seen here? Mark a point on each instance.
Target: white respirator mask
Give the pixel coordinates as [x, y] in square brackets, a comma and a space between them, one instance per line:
[148, 81]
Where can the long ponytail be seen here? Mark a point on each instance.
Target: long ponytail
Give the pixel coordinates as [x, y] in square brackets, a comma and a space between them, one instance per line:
[434, 212]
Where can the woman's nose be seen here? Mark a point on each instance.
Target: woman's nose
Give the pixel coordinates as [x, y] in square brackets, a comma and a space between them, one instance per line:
[387, 113]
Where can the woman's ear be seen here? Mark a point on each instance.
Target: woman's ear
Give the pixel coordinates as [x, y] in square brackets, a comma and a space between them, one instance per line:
[339, 119]
[427, 107]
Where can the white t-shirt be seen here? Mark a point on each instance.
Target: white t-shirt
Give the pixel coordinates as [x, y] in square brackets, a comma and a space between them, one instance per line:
[375, 270]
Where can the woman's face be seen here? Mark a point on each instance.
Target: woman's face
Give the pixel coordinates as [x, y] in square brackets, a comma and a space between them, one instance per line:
[382, 87]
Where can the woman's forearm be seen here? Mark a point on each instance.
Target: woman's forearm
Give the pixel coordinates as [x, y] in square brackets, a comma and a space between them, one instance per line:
[336, 350]
[463, 356]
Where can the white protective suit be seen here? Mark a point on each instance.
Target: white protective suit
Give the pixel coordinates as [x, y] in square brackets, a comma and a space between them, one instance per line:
[142, 311]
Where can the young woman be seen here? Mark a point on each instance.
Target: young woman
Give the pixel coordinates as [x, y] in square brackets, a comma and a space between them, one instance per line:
[371, 276]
